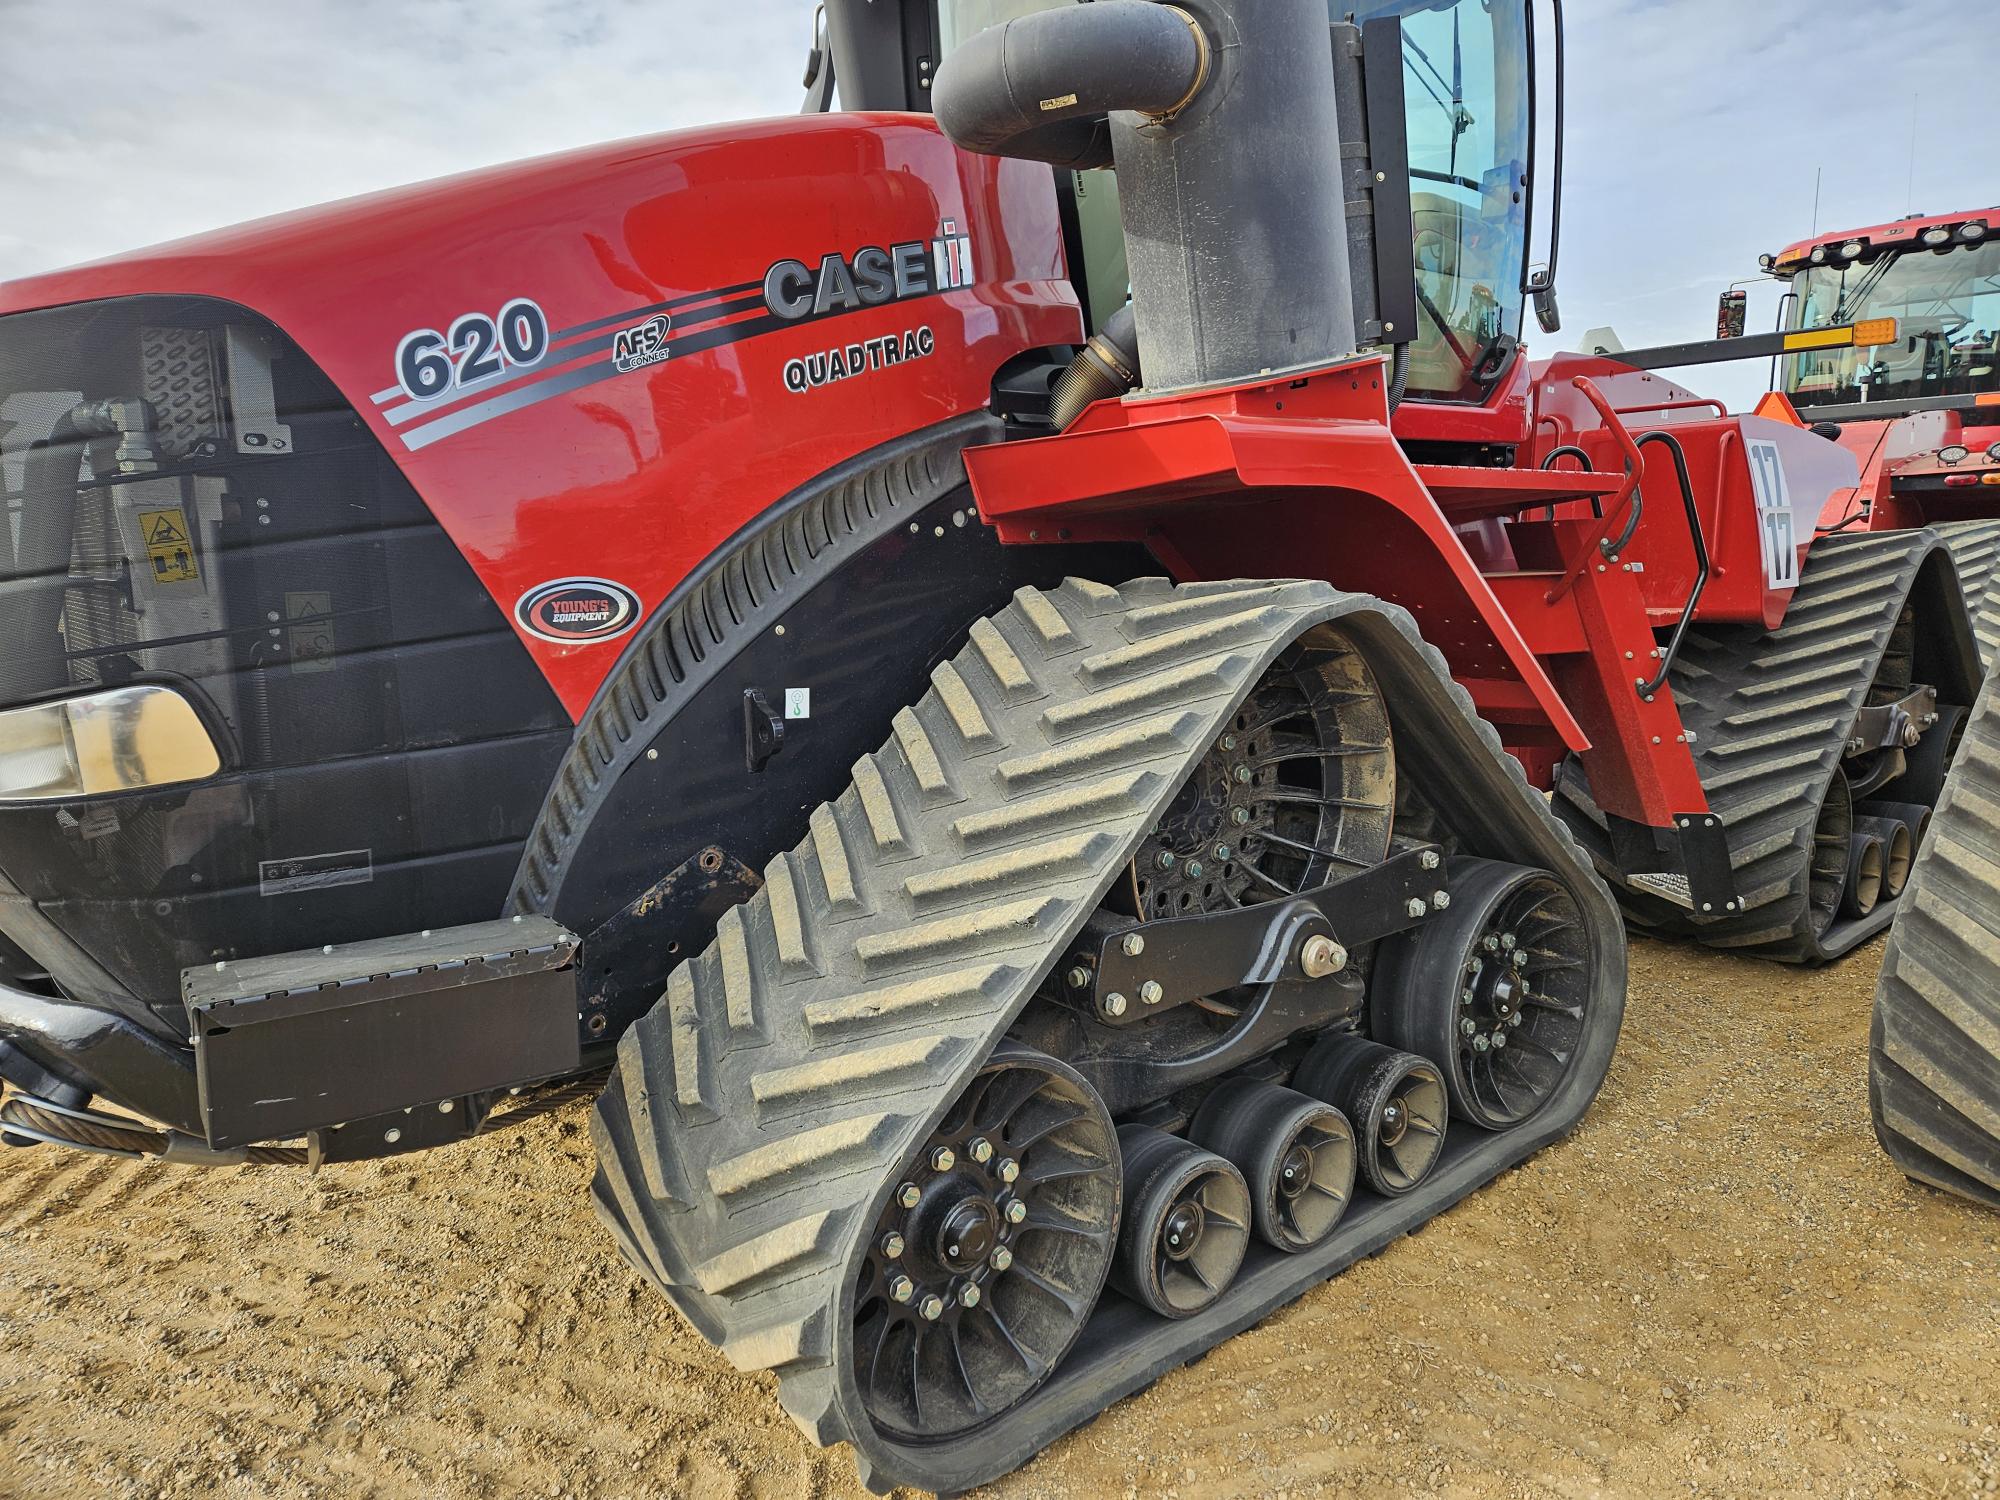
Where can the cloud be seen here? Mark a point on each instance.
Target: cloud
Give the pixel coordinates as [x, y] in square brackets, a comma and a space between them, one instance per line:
[1695, 126]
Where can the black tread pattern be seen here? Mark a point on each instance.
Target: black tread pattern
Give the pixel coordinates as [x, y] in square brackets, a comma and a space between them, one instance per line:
[1975, 551]
[1934, 1046]
[761, 1112]
[1770, 712]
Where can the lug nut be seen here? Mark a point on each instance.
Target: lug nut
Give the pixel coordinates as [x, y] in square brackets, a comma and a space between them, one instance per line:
[1440, 900]
[943, 1159]
[909, 1195]
[1507, 940]
[1222, 851]
[1239, 815]
[892, 1246]
[1515, 1019]
[1415, 907]
[901, 1288]
[932, 1307]
[1194, 869]
[1132, 945]
[1520, 958]
[1229, 742]
[1079, 978]
[1008, 1169]
[1151, 993]
[1480, 1044]
[1429, 859]
[1243, 776]
[1320, 956]
[1499, 1038]
[1465, 997]
[1164, 859]
[1001, 1258]
[979, 1149]
[1467, 1025]
[1017, 1210]
[968, 1295]
[1490, 943]
[1113, 1005]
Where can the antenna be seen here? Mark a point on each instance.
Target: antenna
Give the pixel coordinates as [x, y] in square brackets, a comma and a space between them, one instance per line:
[1816, 174]
[1910, 187]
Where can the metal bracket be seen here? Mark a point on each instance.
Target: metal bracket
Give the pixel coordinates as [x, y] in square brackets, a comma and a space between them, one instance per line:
[1153, 966]
[1898, 725]
[763, 730]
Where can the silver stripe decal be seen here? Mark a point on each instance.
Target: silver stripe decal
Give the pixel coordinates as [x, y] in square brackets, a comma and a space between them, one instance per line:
[506, 401]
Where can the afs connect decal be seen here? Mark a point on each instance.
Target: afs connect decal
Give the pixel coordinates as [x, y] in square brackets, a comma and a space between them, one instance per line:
[577, 611]
[514, 359]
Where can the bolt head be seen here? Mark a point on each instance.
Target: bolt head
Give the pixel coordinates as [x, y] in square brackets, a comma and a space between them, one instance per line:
[1520, 958]
[1414, 907]
[909, 1195]
[932, 1307]
[892, 1246]
[1480, 1043]
[1499, 1038]
[392, 1135]
[968, 1295]
[1113, 1004]
[1151, 993]
[1239, 815]
[901, 1288]
[1467, 1025]
[1490, 943]
[1430, 859]
[1508, 940]
[1229, 742]
[1008, 1169]
[1465, 997]
[943, 1159]
[1194, 869]
[1132, 945]
[1001, 1258]
[1164, 859]
[1320, 956]
[1243, 776]
[1016, 1211]
[979, 1149]
[1079, 978]
[1440, 900]
[1515, 1019]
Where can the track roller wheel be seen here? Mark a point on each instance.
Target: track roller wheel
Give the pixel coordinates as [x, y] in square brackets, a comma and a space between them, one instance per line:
[1396, 1101]
[1915, 818]
[1832, 854]
[1864, 874]
[991, 1251]
[1494, 988]
[1186, 1225]
[1926, 763]
[1899, 848]
[1296, 1154]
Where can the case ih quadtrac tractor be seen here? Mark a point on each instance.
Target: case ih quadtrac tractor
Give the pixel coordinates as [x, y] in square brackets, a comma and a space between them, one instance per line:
[1043, 802]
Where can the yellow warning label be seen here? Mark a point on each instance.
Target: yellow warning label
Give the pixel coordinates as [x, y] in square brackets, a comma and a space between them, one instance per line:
[168, 546]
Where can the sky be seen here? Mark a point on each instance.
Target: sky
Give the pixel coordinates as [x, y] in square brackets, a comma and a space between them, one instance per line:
[1695, 127]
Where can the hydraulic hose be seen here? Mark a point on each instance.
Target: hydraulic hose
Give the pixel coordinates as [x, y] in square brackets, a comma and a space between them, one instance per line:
[1106, 366]
[1039, 87]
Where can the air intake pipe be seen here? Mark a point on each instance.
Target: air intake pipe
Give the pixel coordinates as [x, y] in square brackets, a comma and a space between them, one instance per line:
[1106, 366]
[1221, 121]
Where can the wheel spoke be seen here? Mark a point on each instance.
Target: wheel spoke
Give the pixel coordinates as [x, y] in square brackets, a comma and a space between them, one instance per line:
[1036, 1368]
[1036, 1279]
[1019, 1144]
[979, 1407]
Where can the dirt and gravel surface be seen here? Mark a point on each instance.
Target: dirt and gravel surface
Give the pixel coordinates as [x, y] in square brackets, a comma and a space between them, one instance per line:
[1717, 1286]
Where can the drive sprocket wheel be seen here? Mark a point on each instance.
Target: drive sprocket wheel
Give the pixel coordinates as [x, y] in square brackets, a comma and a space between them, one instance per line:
[991, 1251]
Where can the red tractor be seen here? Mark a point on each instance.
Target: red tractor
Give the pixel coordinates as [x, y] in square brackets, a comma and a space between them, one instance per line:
[1040, 804]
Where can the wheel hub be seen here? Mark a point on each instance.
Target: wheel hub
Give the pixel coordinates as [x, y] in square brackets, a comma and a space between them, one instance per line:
[1295, 1175]
[970, 1230]
[1181, 1232]
[1395, 1119]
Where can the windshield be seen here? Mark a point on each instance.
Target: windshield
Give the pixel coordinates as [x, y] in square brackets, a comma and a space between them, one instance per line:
[1465, 98]
[1947, 311]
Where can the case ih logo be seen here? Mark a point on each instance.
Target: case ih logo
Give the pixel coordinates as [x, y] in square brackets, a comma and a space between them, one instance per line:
[643, 344]
[916, 268]
[577, 611]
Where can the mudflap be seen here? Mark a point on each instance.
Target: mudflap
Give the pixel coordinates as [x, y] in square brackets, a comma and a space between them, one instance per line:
[1934, 1045]
[762, 1113]
[1770, 713]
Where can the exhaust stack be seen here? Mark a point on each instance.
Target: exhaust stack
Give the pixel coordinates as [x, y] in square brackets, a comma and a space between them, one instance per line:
[1220, 117]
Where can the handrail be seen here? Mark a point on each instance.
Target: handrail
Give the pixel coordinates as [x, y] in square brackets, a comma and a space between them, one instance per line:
[1627, 499]
[1679, 456]
[1571, 450]
[1689, 404]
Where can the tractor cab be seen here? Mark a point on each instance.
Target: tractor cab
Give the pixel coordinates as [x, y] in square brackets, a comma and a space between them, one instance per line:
[1938, 276]
[1467, 122]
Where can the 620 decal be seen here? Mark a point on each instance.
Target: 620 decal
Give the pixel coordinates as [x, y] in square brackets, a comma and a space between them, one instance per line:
[476, 347]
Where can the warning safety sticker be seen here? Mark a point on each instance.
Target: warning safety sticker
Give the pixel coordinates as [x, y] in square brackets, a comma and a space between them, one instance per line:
[168, 546]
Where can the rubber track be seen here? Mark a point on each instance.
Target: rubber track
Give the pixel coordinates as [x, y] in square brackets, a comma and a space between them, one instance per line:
[761, 1113]
[1975, 551]
[1771, 712]
[1934, 1046]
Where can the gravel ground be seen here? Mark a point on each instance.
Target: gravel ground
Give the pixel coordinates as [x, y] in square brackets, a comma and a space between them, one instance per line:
[1717, 1286]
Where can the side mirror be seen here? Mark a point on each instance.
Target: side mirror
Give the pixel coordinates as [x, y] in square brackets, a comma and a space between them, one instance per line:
[1731, 310]
[1542, 292]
